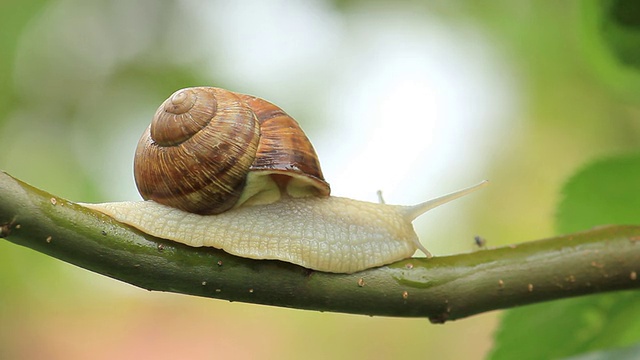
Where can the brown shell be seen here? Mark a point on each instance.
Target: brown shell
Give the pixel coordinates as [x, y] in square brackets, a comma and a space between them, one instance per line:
[208, 150]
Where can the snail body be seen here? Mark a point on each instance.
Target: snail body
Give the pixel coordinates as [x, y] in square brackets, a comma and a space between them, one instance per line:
[331, 234]
[261, 194]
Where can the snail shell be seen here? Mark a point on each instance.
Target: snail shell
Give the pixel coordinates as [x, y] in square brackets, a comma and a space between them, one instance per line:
[209, 149]
[235, 172]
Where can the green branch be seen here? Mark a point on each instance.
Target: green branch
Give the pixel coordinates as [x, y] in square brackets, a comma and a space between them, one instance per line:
[441, 288]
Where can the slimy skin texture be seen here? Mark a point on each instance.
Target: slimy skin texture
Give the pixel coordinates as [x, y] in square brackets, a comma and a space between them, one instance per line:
[326, 234]
[330, 234]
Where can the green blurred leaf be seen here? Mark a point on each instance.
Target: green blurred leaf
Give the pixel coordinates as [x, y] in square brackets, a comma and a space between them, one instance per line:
[14, 16]
[629, 353]
[621, 30]
[160, 79]
[611, 41]
[605, 192]
[567, 327]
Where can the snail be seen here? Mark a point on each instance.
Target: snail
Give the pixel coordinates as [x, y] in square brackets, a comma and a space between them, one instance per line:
[235, 172]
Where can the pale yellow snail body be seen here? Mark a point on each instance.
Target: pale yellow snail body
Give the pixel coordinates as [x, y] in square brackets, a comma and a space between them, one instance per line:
[281, 210]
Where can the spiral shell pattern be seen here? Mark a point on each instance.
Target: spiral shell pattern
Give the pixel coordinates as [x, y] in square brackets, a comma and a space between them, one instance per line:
[208, 150]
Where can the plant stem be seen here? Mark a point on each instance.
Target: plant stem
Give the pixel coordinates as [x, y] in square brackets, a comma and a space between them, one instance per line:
[442, 288]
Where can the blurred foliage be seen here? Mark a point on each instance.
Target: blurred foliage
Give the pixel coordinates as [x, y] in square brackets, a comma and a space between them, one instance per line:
[620, 29]
[80, 79]
[611, 40]
[627, 353]
[601, 193]
[605, 192]
[568, 327]
[14, 16]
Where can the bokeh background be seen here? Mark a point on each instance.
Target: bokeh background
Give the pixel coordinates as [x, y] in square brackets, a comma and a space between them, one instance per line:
[413, 98]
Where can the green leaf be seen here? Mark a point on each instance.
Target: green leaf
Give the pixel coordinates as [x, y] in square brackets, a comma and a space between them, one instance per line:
[628, 353]
[621, 30]
[14, 17]
[605, 192]
[567, 327]
[611, 41]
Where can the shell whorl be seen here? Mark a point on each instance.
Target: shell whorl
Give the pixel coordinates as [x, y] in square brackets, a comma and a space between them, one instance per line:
[208, 150]
[285, 152]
